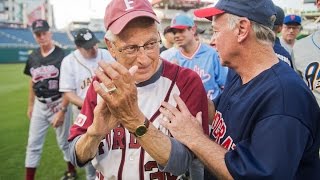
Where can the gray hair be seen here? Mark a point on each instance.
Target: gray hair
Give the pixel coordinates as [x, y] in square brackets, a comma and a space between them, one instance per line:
[143, 21]
[264, 34]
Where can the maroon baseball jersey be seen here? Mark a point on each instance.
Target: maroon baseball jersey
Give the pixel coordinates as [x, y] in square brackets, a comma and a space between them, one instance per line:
[119, 155]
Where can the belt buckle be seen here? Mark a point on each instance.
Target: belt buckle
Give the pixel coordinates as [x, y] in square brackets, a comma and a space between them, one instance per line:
[45, 100]
[48, 100]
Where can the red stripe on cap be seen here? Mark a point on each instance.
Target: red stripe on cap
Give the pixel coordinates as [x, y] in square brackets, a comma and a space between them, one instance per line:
[208, 12]
[179, 27]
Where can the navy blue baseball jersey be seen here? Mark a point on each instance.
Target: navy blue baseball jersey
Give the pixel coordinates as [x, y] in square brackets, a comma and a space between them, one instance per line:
[282, 53]
[45, 72]
[270, 126]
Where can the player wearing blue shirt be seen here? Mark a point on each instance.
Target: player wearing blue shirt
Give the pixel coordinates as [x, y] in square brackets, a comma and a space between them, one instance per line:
[280, 51]
[197, 56]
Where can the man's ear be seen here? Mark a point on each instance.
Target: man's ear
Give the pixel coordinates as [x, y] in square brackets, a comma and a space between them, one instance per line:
[111, 49]
[244, 28]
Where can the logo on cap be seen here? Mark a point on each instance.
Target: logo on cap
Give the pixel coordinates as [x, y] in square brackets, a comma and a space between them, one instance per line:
[128, 2]
[120, 12]
[87, 36]
[39, 23]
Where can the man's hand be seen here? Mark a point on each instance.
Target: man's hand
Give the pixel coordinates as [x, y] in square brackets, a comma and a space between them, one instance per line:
[103, 121]
[29, 112]
[123, 101]
[58, 119]
[182, 125]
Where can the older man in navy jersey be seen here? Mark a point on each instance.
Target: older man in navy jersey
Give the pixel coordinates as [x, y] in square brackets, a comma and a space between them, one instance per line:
[266, 123]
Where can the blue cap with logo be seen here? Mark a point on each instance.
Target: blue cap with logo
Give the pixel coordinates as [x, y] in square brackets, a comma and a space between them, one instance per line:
[181, 21]
[260, 11]
[292, 19]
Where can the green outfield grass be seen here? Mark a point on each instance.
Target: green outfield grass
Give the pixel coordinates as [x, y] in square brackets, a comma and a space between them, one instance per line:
[14, 130]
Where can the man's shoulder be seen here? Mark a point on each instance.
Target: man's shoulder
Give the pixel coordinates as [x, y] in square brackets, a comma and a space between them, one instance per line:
[68, 59]
[301, 42]
[35, 52]
[183, 74]
[169, 53]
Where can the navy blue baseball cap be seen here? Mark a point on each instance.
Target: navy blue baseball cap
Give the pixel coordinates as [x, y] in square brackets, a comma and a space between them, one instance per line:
[279, 16]
[85, 38]
[259, 11]
[292, 19]
[40, 25]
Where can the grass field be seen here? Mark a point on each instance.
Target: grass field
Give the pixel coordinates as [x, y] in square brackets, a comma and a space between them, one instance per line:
[14, 130]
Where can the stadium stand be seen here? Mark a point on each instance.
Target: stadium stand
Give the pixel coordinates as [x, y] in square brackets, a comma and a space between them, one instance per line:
[62, 39]
[16, 42]
[22, 37]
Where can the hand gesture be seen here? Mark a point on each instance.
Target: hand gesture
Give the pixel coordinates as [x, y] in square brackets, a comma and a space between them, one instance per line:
[120, 94]
[103, 121]
[182, 125]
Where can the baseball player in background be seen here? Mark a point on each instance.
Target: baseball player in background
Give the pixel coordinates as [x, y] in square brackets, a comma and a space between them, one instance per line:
[195, 55]
[306, 54]
[46, 107]
[280, 51]
[290, 31]
[77, 71]
[120, 133]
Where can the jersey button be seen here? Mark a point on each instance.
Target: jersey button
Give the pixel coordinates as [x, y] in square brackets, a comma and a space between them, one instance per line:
[131, 158]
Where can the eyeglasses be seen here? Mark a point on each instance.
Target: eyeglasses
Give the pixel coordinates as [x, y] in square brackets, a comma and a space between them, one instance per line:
[133, 49]
[292, 27]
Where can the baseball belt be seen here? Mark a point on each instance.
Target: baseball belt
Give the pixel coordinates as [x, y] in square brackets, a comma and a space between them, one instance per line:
[49, 99]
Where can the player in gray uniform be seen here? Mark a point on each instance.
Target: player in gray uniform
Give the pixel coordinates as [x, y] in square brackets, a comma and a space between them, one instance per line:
[46, 106]
[307, 60]
[77, 71]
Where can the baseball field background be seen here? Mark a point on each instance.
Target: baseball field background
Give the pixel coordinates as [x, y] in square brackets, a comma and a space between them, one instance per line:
[14, 126]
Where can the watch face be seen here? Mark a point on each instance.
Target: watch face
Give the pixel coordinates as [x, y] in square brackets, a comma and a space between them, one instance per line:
[141, 130]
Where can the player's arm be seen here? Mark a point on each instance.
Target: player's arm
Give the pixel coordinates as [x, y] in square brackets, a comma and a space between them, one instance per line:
[31, 98]
[59, 116]
[73, 98]
[86, 147]
[209, 152]
[103, 122]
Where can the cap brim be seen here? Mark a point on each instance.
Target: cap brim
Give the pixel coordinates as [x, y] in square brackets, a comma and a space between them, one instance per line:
[117, 26]
[90, 44]
[292, 23]
[40, 30]
[208, 12]
[179, 27]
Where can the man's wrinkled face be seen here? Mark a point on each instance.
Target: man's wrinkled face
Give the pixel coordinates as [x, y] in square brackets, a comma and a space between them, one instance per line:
[138, 46]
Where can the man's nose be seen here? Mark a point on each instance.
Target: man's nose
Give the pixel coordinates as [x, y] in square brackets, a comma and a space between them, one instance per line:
[213, 41]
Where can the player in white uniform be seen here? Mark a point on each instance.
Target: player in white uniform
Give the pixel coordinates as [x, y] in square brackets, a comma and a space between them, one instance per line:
[77, 71]
[307, 60]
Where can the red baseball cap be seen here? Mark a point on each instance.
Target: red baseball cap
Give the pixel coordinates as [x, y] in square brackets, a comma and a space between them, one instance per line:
[120, 12]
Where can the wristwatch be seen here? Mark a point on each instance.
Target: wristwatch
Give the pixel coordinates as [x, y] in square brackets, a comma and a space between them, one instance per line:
[142, 129]
[63, 109]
